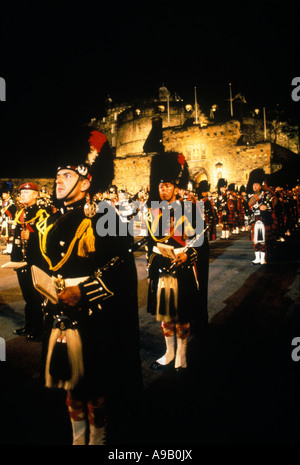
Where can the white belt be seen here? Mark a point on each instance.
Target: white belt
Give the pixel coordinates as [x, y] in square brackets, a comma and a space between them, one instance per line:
[74, 281]
[176, 251]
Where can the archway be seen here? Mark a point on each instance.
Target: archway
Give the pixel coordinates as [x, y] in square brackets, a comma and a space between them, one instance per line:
[198, 176]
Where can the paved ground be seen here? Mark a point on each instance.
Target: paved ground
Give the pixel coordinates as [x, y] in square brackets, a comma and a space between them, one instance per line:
[241, 386]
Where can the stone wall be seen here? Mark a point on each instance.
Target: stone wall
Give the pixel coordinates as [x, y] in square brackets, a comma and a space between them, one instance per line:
[132, 173]
[214, 151]
[43, 183]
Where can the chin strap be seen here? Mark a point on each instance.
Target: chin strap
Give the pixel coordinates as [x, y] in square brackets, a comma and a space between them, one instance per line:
[70, 192]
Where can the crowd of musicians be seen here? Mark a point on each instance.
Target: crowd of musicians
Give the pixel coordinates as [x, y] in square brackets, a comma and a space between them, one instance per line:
[89, 325]
[227, 207]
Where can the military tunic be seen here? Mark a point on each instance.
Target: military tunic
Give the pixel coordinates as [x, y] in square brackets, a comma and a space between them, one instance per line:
[109, 328]
[27, 251]
[185, 281]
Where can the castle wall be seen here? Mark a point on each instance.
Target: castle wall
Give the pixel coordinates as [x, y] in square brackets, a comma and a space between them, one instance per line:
[43, 183]
[132, 173]
[213, 152]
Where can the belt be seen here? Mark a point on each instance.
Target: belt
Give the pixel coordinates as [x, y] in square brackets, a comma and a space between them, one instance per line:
[74, 281]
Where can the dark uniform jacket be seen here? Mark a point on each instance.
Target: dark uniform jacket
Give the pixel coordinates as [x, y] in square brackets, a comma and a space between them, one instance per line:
[26, 219]
[173, 234]
[72, 248]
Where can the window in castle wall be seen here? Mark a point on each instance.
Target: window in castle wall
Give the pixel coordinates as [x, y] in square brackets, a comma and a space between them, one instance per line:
[195, 154]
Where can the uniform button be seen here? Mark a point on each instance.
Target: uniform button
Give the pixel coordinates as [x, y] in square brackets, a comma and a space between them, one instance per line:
[62, 254]
[62, 243]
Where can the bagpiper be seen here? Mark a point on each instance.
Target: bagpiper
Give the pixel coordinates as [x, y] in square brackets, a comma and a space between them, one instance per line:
[171, 264]
[91, 345]
[233, 212]
[222, 207]
[211, 218]
[260, 205]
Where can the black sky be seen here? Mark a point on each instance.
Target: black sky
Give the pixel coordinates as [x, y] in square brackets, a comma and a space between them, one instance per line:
[60, 64]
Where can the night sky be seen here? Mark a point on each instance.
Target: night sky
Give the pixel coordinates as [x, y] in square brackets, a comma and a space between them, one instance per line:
[60, 64]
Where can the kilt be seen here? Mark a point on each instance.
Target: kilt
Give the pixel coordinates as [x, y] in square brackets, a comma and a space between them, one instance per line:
[269, 232]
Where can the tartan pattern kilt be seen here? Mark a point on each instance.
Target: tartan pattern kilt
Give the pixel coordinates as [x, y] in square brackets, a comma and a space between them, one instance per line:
[232, 218]
[241, 213]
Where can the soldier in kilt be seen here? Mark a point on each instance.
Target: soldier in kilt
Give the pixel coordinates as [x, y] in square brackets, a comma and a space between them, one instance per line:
[261, 220]
[233, 215]
[90, 345]
[211, 217]
[222, 206]
[173, 268]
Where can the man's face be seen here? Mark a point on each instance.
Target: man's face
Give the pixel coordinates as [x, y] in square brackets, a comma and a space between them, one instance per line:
[5, 195]
[256, 187]
[167, 191]
[68, 188]
[28, 197]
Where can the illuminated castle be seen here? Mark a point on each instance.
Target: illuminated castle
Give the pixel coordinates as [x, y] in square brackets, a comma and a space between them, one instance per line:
[212, 150]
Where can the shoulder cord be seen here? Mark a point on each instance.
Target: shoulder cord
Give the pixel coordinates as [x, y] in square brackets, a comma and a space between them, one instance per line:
[148, 217]
[43, 234]
[19, 213]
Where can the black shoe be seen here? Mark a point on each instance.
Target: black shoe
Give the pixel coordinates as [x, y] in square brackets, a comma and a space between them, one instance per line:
[180, 369]
[158, 366]
[34, 335]
[21, 331]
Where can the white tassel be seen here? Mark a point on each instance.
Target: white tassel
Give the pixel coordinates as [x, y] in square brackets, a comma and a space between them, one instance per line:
[259, 232]
[74, 346]
[169, 284]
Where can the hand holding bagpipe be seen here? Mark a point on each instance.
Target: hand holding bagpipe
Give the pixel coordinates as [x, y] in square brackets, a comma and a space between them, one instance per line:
[182, 257]
[94, 286]
[69, 296]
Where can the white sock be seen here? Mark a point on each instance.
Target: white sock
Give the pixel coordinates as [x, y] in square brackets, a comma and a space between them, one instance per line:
[257, 258]
[79, 432]
[97, 436]
[180, 360]
[263, 258]
[170, 353]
